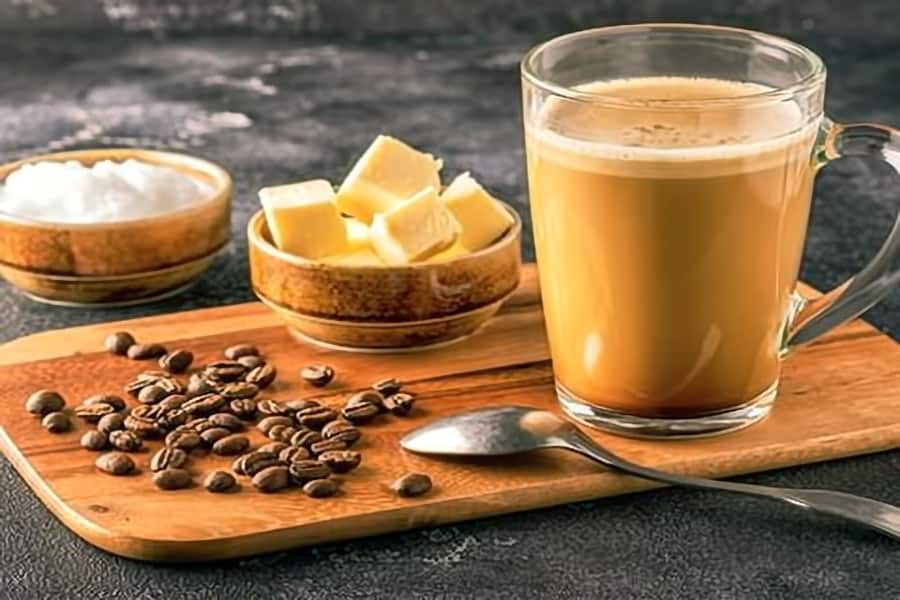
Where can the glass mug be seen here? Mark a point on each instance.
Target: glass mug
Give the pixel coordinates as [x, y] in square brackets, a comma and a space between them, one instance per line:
[670, 173]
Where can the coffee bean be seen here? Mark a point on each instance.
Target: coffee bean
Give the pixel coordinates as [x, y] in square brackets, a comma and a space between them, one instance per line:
[145, 427]
[244, 408]
[305, 438]
[204, 405]
[145, 351]
[271, 479]
[94, 440]
[343, 431]
[240, 350]
[175, 417]
[228, 421]
[320, 488]
[251, 362]
[199, 425]
[112, 422]
[400, 404]
[231, 445]
[119, 342]
[225, 371]
[360, 413]
[271, 407]
[198, 385]
[115, 463]
[214, 434]
[93, 412]
[172, 402]
[341, 461]
[126, 441]
[262, 376]
[219, 482]
[282, 433]
[317, 375]
[115, 401]
[239, 390]
[143, 380]
[268, 423]
[315, 417]
[387, 387]
[412, 484]
[172, 479]
[56, 422]
[302, 471]
[327, 446]
[236, 465]
[292, 453]
[298, 405]
[184, 439]
[176, 361]
[367, 397]
[44, 402]
[152, 394]
[273, 447]
[168, 457]
[254, 462]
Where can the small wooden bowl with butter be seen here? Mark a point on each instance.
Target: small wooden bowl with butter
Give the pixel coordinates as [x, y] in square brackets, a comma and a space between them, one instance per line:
[402, 276]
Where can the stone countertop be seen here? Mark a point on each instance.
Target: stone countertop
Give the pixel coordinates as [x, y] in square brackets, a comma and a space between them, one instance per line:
[274, 109]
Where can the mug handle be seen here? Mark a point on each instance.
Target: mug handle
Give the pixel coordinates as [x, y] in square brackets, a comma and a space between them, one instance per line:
[878, 278]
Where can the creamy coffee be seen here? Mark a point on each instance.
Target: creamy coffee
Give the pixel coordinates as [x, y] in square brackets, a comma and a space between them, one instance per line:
[668, 240]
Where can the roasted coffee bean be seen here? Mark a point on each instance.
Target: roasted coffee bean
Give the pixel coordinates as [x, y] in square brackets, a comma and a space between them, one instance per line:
[315, 417]
[292, 453]
[214, 434]
[203, 405]
[145, 427]
[126, 441]
[219, 482]
[168, 458]
[343, 431]
[298, 405]
[341, 461]
[239, 390]
[327, 446]
[239, 350]
[144, 411]
[171, 385]
[184, 439]
[93, 412]
[172, 418]
[110, 423]
[227, 420]
[273, 447]
[268, 423]
[400, 404]
[253, 463]
[367, 397]
[360, 413]
[94, 440]
[115, 401]
[282, 433]
[317, 375]
[231, 445]
[44, 402]
[272, 479]
[177, 361]
[225, 371]
[320, 488]
[56, 422]
[145, 351]
[172, 402]
[262, 376]
[172, 479]
[119, 342]
[251, 362]
[271, 407]
[305, 437]
[198, 385]
[412, 484]
[302, 471]
[244, 408]
[115, 463]
[152, 394]
[387, 387]
[237, 466]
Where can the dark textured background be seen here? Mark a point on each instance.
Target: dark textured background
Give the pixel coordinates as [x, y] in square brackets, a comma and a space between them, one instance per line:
[278, 91]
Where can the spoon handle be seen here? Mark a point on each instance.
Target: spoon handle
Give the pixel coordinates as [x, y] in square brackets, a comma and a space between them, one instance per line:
[882, 517]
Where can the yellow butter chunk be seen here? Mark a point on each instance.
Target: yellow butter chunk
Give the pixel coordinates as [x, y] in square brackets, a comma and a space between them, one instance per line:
[357, 234]
[362, 257]
[303, 218]
[387, 173]
[454, 251]
[482, 219]
[414, 230]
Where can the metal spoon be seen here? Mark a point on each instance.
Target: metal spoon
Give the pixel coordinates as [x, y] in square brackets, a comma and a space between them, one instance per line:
[514, 429]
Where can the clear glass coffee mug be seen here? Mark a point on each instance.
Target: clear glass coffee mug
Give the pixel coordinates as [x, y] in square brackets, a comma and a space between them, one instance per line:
[670, 173]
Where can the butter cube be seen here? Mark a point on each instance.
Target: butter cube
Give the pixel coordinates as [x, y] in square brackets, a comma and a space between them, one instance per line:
[414, 230]
[357, 234]
[363, 257]
[481, 218]
[454, 251]
[303, 218]
[388, 173]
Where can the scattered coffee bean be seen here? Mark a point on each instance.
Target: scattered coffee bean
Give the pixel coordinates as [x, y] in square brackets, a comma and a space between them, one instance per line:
[126, 441]
[145, 351]
[214, 434]
[387, 387]
[343, 431]
[225, 371]
[198, 385]
[298, 405]
[44, 402]
[143, 426]
[172, 402]
[240, 350]
[237, 466]
[282, 433]
[93, 412]
[292, 453]
[320, 488]
[143, 380]
[367, 397]
[302, 471]
[231, 445]
[360, 413]
[219, 482]
[271, 407]
[341, 461]
[172, 479]
[227, 420]
[239, 390]
[115, 463]
[170, 385]
[315, 417]
[110, 423]
[204, 405]
[317, 375]
[251, 362]
[400, 404]
[267, 423]
[115, 401]
[327, 446]
[262, 376]
[199, 425]
[271, 479]
[56, 422]
[176, 361]
[184, 439]
[254, 462]
[305, 438]
[170, 419]
[152, 394]
[94, 440]
[412, 484]
[245, 408]
[119, 342]
[273, 447]
[168, 458]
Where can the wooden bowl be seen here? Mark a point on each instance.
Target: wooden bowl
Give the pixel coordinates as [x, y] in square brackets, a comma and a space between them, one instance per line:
[122, 261]
[384, 307]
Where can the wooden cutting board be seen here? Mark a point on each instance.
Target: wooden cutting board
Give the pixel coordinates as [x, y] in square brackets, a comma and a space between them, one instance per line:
[840, 397]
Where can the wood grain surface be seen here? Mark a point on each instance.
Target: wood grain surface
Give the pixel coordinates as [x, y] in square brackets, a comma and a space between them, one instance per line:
[840, 397]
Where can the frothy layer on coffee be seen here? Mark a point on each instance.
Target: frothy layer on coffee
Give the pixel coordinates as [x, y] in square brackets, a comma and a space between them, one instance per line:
[651, 137]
